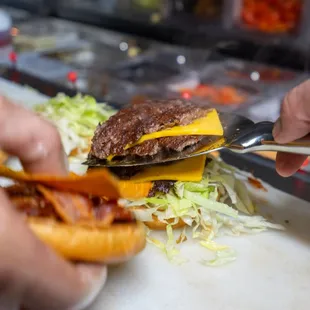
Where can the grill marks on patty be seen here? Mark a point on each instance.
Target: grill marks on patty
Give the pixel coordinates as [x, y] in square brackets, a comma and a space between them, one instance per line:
[131, 123]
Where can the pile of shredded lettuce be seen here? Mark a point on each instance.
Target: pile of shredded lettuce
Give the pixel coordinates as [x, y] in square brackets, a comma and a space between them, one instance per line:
[76, 119]
[218, 205]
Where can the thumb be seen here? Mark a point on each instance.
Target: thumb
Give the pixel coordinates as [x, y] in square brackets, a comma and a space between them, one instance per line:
[294, 121]
[94, 277]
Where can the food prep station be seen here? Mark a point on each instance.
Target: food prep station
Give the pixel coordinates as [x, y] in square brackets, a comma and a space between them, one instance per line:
[210, 52]
[221, 59]
[247, 69]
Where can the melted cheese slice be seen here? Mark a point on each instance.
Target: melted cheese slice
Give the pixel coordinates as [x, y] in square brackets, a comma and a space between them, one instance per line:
[187, 170]
[210, 125]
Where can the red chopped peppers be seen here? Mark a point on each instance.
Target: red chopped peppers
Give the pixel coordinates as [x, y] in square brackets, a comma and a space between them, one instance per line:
[271, 16]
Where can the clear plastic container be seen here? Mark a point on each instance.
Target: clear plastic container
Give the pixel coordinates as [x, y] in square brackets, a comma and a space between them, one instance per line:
[161, 69]
[94, 54]
[146, 11]
[211, 88]
[258, 73]
[47, 69]
[266, 78]
[145, 72]
[42, 34]
[222, 95]
[47, 34]
[95, 82]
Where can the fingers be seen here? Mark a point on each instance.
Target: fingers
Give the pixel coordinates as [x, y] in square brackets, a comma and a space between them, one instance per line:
[294, 121]
[293, 124]
[32, 139]
[32, 275]
[95, 277]
[53, 293]
[288, 164]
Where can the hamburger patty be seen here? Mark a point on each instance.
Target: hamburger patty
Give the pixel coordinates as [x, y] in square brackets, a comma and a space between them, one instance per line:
[132, 122]
[161, 187]
[152, 147]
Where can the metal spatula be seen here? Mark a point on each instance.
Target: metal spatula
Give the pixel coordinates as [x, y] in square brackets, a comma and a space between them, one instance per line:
[241, 135]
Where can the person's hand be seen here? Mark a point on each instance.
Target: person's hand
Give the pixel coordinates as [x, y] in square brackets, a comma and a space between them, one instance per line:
[293, 124]
[31, 274]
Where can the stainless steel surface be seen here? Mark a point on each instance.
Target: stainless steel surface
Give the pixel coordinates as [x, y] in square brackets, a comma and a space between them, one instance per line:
[17, 15]
[241, 135]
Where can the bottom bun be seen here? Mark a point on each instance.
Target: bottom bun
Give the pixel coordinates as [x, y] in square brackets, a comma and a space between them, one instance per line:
[116, 244]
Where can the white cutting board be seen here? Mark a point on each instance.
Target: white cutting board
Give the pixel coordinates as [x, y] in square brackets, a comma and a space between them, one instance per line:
[272, 271]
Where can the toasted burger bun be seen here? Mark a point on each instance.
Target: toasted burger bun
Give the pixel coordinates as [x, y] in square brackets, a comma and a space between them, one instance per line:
[115, 244]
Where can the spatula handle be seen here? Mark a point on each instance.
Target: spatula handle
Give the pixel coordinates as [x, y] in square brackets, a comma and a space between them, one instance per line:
[259, 138]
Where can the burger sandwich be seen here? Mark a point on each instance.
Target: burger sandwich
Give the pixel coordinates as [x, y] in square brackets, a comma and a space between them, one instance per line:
[79, 216]
[199, 193]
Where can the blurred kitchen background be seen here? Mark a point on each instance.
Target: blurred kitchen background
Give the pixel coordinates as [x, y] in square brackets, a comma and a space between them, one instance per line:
[235, 55]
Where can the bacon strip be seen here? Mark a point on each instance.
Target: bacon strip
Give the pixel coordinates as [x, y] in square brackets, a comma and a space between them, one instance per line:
[21, 190]
[99, 182]
[76, 209]
[34, 206]
[71, 208]
[110, 207]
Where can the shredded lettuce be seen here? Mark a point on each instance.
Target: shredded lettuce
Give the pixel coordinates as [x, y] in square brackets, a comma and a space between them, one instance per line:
[216, 206]
[213, 246]
[144, 215]
[204, 202]
[169, 248]
[76, 119]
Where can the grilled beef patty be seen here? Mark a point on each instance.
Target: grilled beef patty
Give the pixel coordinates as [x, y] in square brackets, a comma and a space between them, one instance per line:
[161, 187]
[134, 121]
